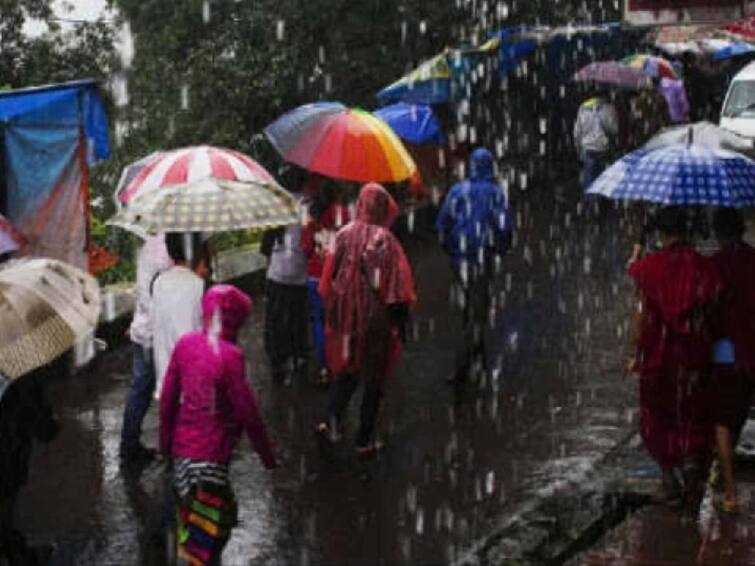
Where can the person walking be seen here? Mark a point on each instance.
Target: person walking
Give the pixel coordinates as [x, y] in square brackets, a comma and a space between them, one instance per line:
[177, 297]
[25, 416]
[367, 288]
[475, 229]
[671, 353]
[734, 349]
[286, 309]
[151, 260]
[205, 406]
[326, 216]
[649, 113]
[596, 132]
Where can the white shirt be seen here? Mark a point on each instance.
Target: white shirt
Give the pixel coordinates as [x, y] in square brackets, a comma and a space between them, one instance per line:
[596, 127]
[151, 258]
[176, 310]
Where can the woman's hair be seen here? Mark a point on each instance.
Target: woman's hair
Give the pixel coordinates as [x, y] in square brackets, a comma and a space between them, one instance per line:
[671, 221]
[728, 224]
[187, 248]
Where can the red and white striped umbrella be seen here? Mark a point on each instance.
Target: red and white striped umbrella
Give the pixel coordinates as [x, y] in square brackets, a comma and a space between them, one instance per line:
[189, 165]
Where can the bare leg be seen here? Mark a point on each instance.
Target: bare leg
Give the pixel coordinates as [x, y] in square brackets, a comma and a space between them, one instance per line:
[725, 458]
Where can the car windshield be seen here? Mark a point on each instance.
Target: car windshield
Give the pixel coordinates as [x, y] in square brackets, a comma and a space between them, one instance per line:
[741, 100]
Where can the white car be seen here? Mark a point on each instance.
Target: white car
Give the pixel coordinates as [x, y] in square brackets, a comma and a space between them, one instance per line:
[738, 112]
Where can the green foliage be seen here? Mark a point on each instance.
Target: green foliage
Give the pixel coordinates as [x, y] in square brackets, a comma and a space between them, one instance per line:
[218, 71]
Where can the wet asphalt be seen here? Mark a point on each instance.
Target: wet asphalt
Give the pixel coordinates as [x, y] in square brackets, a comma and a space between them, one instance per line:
[554, 402]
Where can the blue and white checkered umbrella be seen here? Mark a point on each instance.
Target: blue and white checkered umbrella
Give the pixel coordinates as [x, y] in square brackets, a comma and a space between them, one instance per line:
[680, 174]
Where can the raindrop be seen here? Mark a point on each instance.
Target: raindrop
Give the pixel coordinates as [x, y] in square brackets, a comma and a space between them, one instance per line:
[490, 483]
[280, 29]
[423, 27]
[184, 97]
[206, 11]
[420, 522]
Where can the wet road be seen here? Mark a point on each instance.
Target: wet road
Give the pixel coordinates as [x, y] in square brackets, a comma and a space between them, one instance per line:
[555, 401]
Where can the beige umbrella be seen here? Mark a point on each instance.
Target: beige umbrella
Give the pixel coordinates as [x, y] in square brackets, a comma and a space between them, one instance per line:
[45, 306]
[210, 205]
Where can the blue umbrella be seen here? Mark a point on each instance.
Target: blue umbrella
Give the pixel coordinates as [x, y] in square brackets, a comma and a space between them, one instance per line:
[733, 50]
[680, 174]
[415, 123]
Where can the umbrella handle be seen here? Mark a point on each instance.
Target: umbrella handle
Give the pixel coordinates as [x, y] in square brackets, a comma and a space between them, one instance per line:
[690, 136]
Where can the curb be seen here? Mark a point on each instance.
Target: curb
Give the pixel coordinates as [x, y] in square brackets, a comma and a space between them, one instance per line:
[566, 518]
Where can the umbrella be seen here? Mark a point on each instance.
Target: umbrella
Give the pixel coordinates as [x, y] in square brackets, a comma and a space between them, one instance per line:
[734, 50]
[702, 133]
[680, 174]
[430, 83]
[743, 28]
[342, 143]
[10, 239]
[130, 172]
[210, 205]
[187, 165]
[612, 73]
[652, 66]
[415, 123]
[45, 306]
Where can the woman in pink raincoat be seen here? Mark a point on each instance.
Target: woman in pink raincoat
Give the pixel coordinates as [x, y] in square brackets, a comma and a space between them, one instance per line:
[205, 406]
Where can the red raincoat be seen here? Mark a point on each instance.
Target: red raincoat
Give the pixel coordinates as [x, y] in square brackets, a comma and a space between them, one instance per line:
[677, 285]
[366, 274]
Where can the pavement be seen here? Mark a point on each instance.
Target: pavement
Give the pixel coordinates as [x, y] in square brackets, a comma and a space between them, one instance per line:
[522, 469]
[655, 535]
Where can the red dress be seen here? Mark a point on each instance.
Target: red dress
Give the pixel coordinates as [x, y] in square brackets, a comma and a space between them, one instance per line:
[366, 274]
[677, 286]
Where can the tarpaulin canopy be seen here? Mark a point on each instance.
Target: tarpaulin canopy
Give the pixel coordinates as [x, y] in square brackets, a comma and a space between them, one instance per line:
[50, 135]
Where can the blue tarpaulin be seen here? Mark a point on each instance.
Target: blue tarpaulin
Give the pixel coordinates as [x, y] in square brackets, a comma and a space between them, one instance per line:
[51, 135]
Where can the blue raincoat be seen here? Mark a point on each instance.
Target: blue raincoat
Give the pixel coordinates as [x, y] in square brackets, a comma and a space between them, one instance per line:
[474, 221]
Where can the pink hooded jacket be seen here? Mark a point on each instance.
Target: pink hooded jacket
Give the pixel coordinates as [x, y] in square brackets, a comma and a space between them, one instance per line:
[206, 401]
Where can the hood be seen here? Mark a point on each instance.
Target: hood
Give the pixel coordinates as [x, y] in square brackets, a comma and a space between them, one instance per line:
[376, 206]
[232, 307]
[481, 165]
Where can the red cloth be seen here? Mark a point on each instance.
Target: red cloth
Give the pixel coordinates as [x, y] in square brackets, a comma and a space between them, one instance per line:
[206, 401]
[677, 285]
[366, 273]
[735, 312]
[333, 219]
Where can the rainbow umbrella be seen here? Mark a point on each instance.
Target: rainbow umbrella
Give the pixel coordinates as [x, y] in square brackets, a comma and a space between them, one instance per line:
[342, 143]
[652, 66]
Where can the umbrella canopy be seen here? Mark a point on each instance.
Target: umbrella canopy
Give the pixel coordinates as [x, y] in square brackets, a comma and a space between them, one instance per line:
[342, 143]
[130, 172]
[612, 73]
[701, 133]
[733, 50]
[680, 174]
[210, 205]
[10, 239]
[430, 83]
[743, 28]
[415, 123]
[188, 165]
[652, 66]
[45, 306]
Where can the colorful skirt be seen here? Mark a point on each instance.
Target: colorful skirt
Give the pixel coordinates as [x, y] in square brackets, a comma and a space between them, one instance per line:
[206, 511]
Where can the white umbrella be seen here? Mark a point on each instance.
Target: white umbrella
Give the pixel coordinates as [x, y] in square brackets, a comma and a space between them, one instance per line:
[210, 205]
[45, 307]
